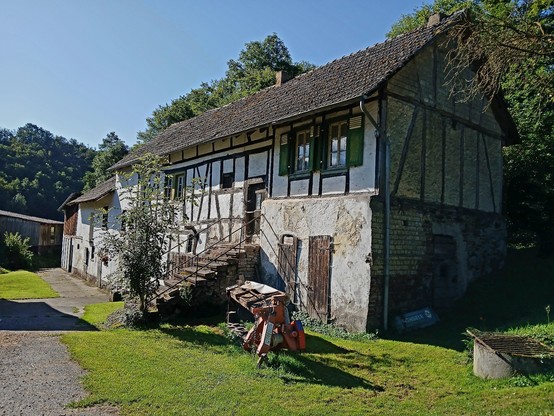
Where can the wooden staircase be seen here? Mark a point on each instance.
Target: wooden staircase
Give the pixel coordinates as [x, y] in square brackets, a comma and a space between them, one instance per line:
[206, 275]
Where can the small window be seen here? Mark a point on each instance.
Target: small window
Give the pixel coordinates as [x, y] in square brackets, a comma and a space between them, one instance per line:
[180, 186]
[92, 251]
[302, 156]
[338, 138]
[168, 190]
[105, 218]
[52, 235]
[227, 180]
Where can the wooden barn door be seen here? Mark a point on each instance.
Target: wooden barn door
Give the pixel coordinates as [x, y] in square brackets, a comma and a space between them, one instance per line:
[288, 247]
[319, 277]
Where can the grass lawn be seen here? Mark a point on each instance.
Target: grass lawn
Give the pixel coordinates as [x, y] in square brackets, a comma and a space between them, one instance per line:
[22, 284]
[179, 369]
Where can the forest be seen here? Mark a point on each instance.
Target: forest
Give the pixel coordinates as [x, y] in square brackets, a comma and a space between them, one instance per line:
[38, 170]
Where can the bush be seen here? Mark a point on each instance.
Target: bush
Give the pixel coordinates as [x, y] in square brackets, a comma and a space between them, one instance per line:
[16, 252]
[332, 330]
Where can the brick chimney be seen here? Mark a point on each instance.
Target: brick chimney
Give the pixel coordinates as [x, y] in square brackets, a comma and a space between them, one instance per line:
[435, 19]
[281, 77]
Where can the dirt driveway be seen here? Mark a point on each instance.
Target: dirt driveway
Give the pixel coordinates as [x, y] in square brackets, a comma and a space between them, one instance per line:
[38, 376]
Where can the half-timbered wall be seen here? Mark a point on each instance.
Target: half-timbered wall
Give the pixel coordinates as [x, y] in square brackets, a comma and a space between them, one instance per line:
[442, 151]
[324, 205]
[446, 189]
[217, 176]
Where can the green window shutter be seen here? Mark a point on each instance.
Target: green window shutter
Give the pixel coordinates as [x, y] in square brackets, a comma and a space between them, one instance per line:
[284, 155]
[313, 163]
[355, 145]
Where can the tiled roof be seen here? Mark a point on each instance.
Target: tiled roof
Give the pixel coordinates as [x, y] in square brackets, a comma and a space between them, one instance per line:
[96, 193]
[29, 218]
[340, 81]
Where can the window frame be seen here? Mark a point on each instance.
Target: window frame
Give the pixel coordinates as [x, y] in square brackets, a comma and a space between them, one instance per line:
[328, 143]
[179, 182]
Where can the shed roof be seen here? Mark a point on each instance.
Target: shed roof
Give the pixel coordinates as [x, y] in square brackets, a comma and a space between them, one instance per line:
[29, 218]
[339, 82]
[96, 193]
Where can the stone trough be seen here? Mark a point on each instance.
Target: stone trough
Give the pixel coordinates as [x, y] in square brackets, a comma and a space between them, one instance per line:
[497, 355]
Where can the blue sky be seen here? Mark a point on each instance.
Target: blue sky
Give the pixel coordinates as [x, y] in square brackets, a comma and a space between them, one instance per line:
[81, 69]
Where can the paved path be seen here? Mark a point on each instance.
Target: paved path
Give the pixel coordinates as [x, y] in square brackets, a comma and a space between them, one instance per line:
[38, 376]
[57, 314]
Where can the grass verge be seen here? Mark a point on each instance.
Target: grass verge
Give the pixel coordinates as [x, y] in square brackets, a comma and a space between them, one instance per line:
[22, 284]
[197, 370]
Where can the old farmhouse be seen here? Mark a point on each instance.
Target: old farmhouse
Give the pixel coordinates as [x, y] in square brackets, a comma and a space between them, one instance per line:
[362, 188]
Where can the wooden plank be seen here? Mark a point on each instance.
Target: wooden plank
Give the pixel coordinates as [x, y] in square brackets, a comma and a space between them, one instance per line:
[286, 266]
[319, 259]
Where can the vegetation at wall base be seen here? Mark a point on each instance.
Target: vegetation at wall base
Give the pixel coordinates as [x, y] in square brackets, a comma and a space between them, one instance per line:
[22, 284]
[332, 330]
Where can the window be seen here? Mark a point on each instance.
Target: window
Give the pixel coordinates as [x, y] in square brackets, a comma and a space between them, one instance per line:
[168, 190]
[302, 156]
[105, 218]
[335, 145]
[227, 180]
[338, 137]
[179, 186]
[52, 235]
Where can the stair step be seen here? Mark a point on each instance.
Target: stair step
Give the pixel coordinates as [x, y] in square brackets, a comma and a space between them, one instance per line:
[221, 258]
[215, 265]
[203, 272]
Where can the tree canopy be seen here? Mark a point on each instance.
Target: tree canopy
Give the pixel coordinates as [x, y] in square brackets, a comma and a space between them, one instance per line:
[39, 170]
[509, 44]
[111, 150]
[253, 71]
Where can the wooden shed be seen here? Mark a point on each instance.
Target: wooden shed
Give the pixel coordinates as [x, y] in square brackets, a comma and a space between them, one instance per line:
[45, 235]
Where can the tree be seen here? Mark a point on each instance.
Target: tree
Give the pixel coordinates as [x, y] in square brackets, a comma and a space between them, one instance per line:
[148, 222]
[509, 45]
[38, 170]
[253, 71]
[111, 150]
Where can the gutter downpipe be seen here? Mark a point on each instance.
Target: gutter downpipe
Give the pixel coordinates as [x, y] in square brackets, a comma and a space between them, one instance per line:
[386, 210]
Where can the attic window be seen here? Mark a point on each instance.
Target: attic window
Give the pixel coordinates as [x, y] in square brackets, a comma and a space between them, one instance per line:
[227, 180]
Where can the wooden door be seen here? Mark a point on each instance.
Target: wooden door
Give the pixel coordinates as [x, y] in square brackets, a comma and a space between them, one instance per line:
[319, 267]
[288, 248]
[447, 286]
[254, 199]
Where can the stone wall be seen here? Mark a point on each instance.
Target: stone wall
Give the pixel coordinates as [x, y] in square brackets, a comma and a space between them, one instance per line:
[436, 251]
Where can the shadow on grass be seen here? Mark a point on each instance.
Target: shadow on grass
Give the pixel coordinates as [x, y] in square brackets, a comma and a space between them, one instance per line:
[515, 296]
[38, 316]
[320, 364]
[327, 364]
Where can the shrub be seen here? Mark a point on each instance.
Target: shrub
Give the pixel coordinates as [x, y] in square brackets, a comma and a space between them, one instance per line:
[16, 252]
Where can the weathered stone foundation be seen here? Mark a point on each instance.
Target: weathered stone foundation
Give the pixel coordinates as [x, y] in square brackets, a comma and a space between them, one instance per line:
[436, 251]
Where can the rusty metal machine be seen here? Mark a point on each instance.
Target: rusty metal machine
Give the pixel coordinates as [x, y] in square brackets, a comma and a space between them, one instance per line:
[273, 329]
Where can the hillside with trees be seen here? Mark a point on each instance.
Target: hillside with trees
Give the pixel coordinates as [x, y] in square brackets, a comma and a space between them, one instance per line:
[510, 46]
[38, 170]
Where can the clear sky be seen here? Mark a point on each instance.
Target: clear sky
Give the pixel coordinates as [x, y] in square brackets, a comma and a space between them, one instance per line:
[84, 68]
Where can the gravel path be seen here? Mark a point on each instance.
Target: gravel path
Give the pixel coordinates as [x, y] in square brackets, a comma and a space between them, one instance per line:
[37, 375]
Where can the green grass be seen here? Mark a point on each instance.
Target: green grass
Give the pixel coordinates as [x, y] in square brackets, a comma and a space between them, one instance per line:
[96, 314]
[22, 284]
[179, 369]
